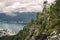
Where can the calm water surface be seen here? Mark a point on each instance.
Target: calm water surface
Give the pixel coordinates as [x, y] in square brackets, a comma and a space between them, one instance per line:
[16, 27]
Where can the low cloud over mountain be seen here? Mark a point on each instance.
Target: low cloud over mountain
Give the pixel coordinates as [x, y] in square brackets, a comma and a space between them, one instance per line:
[21, 5]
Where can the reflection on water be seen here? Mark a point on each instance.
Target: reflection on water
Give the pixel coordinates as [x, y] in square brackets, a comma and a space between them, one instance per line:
[16, 27]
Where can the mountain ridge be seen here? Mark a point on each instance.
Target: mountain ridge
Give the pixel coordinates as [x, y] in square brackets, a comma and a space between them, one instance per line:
[19, 17]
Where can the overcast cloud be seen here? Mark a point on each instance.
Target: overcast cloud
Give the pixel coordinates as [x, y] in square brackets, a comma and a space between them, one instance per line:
[22, 5]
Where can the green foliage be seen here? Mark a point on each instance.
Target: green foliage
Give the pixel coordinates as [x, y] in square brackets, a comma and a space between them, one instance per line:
[45, 23]
[31, 22]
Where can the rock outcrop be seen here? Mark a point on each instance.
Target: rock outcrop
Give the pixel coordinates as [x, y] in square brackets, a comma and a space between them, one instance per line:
[5, 32]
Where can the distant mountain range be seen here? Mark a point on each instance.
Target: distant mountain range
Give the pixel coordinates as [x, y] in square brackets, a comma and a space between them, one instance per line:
[20, 17]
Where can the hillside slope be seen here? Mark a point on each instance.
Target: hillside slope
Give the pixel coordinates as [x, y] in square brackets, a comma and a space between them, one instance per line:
[45, 27]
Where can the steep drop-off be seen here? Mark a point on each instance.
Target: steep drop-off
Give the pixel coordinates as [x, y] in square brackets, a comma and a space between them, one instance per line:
[46, 26]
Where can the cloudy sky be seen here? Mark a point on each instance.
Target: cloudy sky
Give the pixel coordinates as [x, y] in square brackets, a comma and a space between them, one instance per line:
[21, 5]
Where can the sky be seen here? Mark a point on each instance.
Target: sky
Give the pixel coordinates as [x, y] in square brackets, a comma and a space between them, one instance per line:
[22, 5]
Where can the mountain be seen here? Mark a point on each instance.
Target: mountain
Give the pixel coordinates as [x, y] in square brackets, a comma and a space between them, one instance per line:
[20, 17]
[45, 27]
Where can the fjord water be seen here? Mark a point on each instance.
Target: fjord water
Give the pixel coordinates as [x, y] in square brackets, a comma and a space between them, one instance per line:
[15, 27]
[15, 23]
